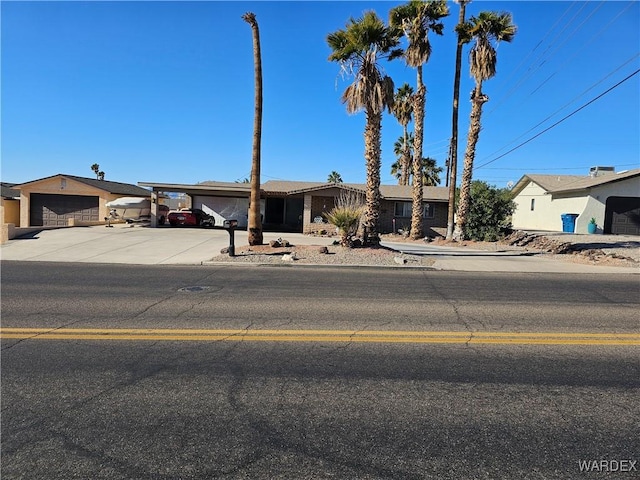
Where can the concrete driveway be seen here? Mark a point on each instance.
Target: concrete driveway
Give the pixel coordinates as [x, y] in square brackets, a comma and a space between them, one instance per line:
[132, 245]
[194, 246]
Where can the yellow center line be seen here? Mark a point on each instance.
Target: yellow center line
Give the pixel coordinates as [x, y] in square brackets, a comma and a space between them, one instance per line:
[361, 336]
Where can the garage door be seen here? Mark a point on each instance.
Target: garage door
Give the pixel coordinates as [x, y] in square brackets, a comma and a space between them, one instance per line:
[56, 210]
[622, 216]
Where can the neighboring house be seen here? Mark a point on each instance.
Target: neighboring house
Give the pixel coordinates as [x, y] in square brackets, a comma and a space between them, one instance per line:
[613, 199]
[299, 206]
[10, 204]
[66, 199]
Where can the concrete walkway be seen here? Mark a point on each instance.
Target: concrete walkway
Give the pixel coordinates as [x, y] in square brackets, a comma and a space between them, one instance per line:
[507, 260]
[194, 246]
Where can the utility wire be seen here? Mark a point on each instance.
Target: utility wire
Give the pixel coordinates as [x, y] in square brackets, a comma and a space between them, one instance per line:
[567, 104]
[540, 60]
[561, 120]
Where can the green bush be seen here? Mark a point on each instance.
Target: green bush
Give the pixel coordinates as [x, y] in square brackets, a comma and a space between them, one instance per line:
[489, 213]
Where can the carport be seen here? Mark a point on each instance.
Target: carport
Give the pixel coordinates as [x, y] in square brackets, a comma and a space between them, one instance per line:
[223, 200]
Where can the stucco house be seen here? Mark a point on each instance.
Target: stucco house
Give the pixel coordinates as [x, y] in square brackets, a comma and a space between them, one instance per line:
[67, 199]
[612, 198]
[298, 206]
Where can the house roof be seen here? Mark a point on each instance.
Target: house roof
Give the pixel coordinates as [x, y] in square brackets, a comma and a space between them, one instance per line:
[8, 191]
[572, 183]
[106, 185]
[388, 192]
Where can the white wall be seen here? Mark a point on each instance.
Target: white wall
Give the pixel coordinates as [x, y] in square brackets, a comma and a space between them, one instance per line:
[547, 211]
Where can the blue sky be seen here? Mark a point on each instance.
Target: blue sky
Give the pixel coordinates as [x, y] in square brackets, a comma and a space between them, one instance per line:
[163, 91]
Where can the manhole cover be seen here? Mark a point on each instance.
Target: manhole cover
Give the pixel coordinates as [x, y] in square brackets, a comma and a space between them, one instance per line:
[195, 289]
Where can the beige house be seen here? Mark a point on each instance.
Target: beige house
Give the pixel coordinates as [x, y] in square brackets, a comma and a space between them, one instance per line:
[613, 199]
[299, 206]
[69, 200]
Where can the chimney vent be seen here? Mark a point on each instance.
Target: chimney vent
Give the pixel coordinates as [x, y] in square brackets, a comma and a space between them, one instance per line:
[601, 171]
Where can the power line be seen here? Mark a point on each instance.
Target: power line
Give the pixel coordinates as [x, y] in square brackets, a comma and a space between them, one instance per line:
[566, 104]
[561, 120]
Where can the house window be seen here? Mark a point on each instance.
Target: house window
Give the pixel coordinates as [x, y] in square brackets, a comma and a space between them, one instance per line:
[403, 209]
[533, 204]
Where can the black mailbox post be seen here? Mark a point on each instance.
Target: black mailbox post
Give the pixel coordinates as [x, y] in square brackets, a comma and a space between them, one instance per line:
[230, 226]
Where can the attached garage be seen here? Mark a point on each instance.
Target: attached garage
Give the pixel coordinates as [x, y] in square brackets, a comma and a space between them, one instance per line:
[56, 210]
[622, 216]
[62, 199]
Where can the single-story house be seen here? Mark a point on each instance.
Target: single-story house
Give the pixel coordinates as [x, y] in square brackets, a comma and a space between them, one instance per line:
[66, 199]
[298, 206]
[612, 198]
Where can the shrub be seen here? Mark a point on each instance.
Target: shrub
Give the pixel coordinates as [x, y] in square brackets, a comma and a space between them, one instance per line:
[345, 216]
[490, 212]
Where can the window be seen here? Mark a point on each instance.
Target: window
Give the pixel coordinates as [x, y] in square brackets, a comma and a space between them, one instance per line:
[403, 209]
[533, 204]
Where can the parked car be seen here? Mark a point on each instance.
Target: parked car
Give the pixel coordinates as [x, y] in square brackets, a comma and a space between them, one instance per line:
[190, 216]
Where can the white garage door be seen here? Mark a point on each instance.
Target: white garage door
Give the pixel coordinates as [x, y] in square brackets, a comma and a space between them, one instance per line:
[224, 208]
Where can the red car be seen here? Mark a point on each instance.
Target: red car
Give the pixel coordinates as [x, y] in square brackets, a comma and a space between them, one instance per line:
[190, 216]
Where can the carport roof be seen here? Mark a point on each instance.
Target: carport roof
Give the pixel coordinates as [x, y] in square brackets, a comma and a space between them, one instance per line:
[116, 188]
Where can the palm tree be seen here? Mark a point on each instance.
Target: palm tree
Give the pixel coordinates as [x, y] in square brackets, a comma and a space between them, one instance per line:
[334, 177]
[430, 172]
[96, 169]
[452, 172]
[403, 149]
[416, 19]
[402, 110]
[254, 221]
[483, 29]
[358, 48]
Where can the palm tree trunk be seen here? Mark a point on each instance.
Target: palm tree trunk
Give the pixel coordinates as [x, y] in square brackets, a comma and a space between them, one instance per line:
[372, 148]
[406, 159]
[418, 113]
[478, 99]
[453, 159]
[254, 221]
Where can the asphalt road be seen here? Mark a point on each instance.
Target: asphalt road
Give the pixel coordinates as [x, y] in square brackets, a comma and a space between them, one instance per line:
[167, 409]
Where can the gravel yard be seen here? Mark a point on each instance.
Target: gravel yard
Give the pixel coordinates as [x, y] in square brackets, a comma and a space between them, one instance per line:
[611, 250]
[313, 255]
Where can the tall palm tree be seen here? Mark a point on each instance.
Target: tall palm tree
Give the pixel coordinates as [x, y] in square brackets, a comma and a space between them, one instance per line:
[403, 110]
[484, 29]
[358, 48]
[452, 171]
[254, 221]
[416, 19]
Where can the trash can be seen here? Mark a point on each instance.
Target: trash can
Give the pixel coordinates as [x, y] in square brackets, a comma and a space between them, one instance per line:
[569, 222]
